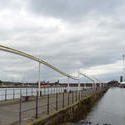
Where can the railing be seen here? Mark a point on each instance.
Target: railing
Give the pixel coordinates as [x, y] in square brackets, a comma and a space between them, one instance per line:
[47, 104]
[15, 93]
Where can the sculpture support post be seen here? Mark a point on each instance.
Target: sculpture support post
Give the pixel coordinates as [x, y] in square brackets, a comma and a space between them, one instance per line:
[39, 81]
[68, 85]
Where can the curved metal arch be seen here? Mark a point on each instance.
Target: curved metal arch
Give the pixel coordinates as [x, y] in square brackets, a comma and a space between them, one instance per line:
[88, 77]
[11, 50]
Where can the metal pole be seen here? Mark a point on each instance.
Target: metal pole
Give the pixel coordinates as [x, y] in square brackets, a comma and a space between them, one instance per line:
[26, 91]
[68, 85]
[37, 105]
[72, 97]
[47, 90]
[56, 101]
[51, 90]
[76, 96]
[78, 81]
[20, 93]
[20, 111]
[54, 90]
[61, 89]
[44, 89]
[32, 92]
[79, 94]
[39, 80]
[13, 94]
[48, 104]
[123, 67]
[78, 85]
[94, 85]
[68, 98]
[5, 94]
[63, 99]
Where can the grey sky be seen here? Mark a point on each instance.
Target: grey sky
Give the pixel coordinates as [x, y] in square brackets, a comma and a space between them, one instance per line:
[69, 34]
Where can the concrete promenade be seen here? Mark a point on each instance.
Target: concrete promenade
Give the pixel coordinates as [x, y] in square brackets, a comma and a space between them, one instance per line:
[9, 110]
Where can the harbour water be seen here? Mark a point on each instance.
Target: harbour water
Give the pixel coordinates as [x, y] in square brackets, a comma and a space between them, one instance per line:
[110, 110]
[13, 93]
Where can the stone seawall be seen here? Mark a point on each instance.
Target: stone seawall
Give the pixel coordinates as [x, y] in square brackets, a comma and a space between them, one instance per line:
[71, 113]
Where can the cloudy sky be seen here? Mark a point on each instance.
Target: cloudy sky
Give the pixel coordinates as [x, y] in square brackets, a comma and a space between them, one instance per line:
[85, 35]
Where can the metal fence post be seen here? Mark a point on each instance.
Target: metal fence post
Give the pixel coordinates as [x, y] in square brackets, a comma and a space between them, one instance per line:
[20, 111]
[44, 89]
[48, 90]
[37, 105]
[40, 92]
[51, 90]
[56, 101]
[68, 97]
[60, 89]
[48, 104]
[57, 89]
[63, 100]
[32, 91]
[79, 94]
[76, 96]
[26, 91]
[72, 97]
[5, 94]
[13, 93]
[20, 92]
[54, 90]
